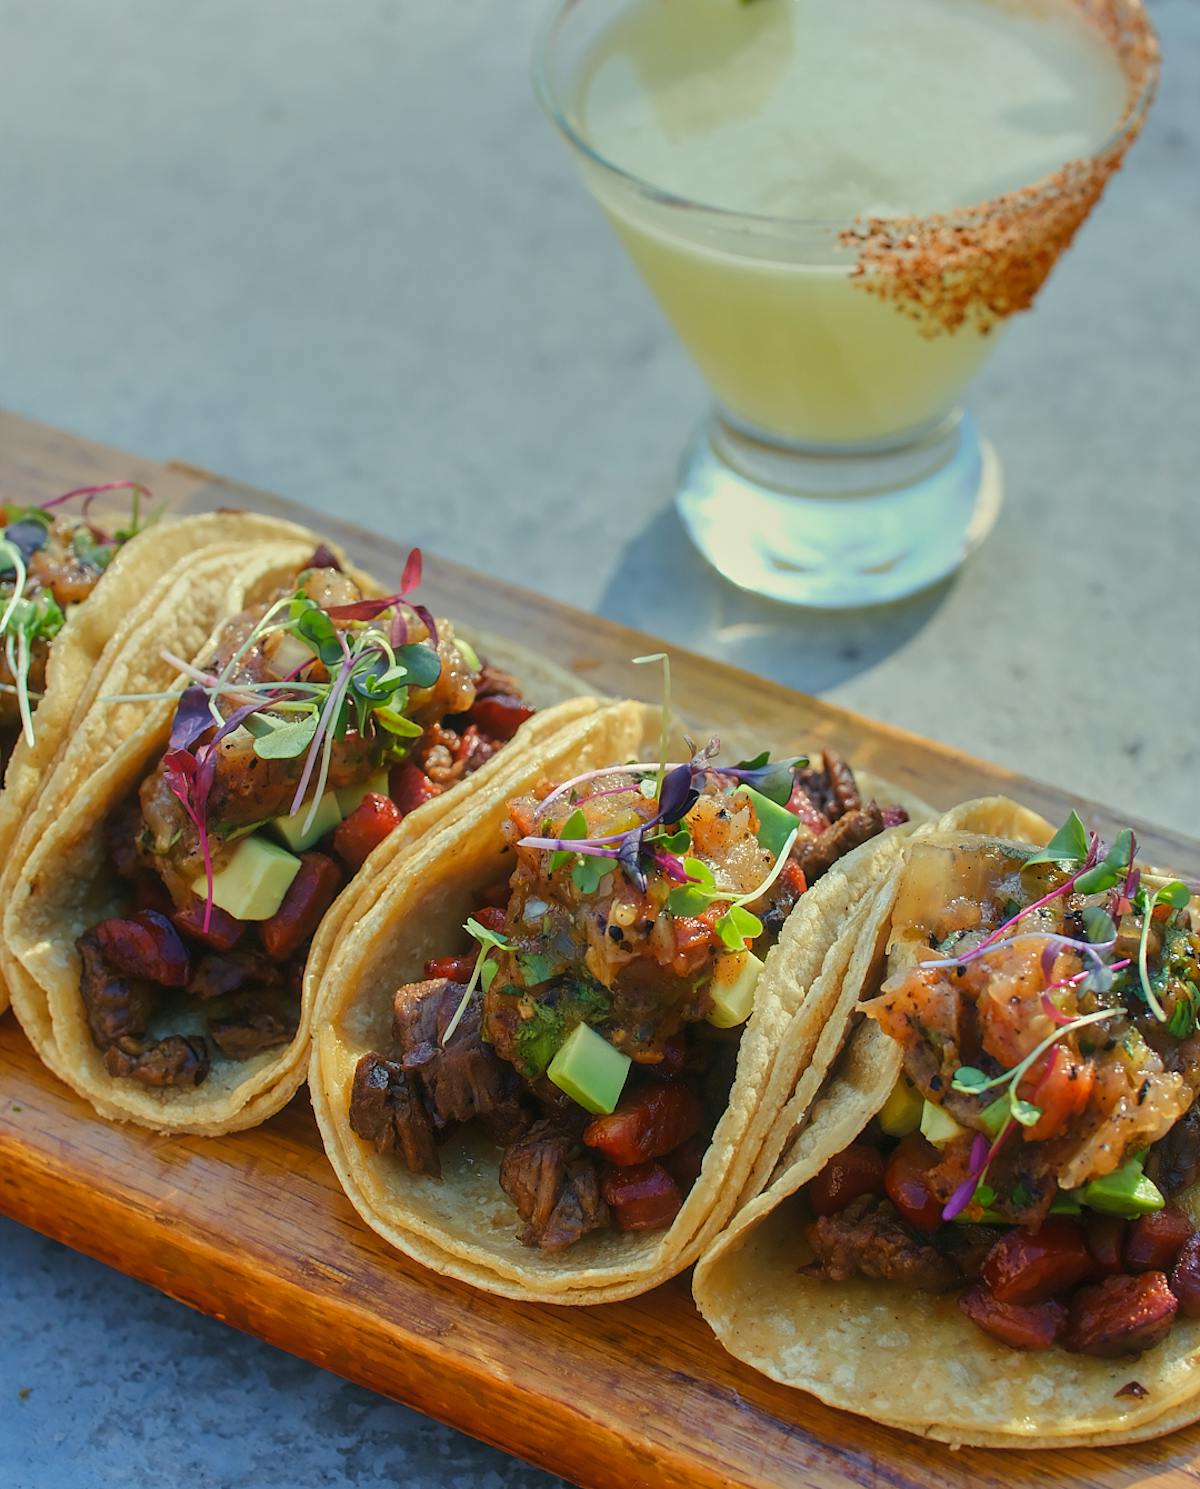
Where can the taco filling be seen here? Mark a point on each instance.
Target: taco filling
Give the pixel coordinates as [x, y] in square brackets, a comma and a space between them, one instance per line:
[49, 563]
[322, 720]
[1035, 1152]
[593, 1029]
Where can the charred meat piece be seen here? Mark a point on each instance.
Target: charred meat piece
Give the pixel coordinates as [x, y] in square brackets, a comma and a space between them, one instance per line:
[842, 786]
[556, 1192]
[218, 974]
[1174, 1161]
[387, 1111]
[174, 1061]
[145, 945]
[465, 1079]
[252, 1030]
[868, 1239]
[116, 1008]
[1121, 1316]
[818, 854]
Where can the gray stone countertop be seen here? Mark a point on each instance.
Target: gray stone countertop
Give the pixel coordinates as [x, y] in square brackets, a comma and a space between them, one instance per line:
[335, 251]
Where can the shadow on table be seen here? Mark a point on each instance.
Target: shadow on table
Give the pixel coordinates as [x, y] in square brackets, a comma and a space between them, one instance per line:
[661, 584]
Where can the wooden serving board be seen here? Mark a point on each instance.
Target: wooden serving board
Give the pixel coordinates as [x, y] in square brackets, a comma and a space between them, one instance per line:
[254, 1230]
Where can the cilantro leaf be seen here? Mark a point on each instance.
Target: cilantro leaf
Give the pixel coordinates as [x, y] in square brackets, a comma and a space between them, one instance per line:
[574, 827]
[277, 738]
[589, 871]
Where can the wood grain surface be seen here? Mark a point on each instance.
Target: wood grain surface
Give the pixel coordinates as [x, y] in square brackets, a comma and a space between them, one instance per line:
[253, 1229]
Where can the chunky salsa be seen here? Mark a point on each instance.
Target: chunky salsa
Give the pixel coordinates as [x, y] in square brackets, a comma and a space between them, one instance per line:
[321, 721]
[593, 1029]
[1037, 1148]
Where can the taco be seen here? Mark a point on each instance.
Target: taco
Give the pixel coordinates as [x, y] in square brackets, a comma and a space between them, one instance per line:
[70, 574]
[540, 1056]
[987, 1230]
[271, 731]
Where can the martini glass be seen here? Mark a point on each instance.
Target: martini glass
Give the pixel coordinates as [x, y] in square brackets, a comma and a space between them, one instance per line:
[837, 467]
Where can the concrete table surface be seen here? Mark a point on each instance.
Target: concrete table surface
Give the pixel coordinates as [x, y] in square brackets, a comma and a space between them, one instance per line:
[335, 251]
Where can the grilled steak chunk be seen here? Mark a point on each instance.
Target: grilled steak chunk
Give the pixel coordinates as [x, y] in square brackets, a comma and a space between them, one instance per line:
[868, 1239]
[388, 1111]
[221, 973]
[556, 1192]
[464, 1079]
[250, 1031]
[174, 1061]
[116, 1008]
[818, 854]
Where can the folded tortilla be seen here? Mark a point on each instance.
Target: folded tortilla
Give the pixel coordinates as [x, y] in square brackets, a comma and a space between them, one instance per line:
[463, 1225]
[58, 883]
[905, 1358]
[79, 653]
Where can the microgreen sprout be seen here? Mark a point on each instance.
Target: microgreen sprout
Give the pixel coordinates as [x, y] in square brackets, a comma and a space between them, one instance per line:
[970, 1081]
[482, 973]
[737, 925]
[664, 731]
[1176, 895]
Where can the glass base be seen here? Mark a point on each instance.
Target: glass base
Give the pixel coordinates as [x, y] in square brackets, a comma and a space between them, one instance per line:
[836, 530]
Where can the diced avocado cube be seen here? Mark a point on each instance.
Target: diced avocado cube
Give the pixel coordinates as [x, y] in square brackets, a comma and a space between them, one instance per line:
[291, 830]
[775, 823]
[350, 798]
[938, 1126]
[734, 980]
[995, 1116]
[253, 883]
[901, 1112]
[1125, 1192]
[589, 1070]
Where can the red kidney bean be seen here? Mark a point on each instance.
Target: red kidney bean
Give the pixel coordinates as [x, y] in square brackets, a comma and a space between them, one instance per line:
[1019, 1325]
[648, 1124]
[1121, 1316]
[145, 945]
[224, 931]
[355, 839]
[309, 895]
[1104, 1236]
[500, 716]
[456, 968]
[409, 787]
[1154, 1241]
[855, 1171]
[1185, 1277]
[644, 1197]
[904, 1180]
[1030, 1266]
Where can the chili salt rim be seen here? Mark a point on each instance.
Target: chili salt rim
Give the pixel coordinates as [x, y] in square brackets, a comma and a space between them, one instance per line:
[984, 263]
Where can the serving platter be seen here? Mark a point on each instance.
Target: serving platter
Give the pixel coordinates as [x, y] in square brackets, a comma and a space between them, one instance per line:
[254, 1230]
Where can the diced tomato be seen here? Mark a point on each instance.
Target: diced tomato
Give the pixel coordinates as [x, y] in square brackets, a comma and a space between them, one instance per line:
[904, 1180]
[355, 839]
[456, 968]
[1060, 1091]
[224, 931]
[492, 918]
[1019, 1325]
[410, 788]
[685, 1162]
[649, 1124]
[792, 879]
[1154, 1241]
[1104, 1236]
[310, 894]
[693, 937]
[500, 716]
[642, 1198]
[1029, 1267]
[855, 1171]
[145, 945]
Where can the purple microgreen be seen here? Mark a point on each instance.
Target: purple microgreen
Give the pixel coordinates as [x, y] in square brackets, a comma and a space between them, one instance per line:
[669, 866]
[410, 578]
[664, 731]
[90, 493]
[965, 1192]
[488, 941]
[676, 794]
[323, 558]
[774, 779]
[26, 536]
[192, 718]
[363, 609]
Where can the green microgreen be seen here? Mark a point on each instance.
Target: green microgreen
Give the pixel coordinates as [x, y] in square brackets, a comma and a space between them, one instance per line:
[737, 925]
[1176, 895]
[483, 971]
[664, 731]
